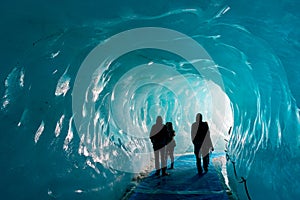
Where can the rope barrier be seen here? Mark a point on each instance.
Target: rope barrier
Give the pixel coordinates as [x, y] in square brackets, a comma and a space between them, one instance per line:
[234, 169]
[245, 184]
[243, 180]
[227, 157]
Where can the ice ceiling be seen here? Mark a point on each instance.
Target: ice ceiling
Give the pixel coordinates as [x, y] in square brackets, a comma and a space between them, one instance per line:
[71, 131]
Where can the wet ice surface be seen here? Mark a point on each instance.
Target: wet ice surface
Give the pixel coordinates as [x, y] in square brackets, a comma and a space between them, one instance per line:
[182, 183]
[256, 49]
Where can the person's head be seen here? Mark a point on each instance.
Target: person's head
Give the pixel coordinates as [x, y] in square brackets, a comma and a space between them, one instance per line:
[159, 120]
[199, 117]
[169, 125]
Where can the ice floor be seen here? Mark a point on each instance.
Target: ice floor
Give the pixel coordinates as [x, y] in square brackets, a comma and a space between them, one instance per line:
[182, 183]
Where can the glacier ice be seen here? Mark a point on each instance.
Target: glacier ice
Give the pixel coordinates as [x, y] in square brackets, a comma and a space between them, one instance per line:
[253, 47]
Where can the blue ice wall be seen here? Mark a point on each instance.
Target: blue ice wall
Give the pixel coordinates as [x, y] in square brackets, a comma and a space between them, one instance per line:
[253, 47]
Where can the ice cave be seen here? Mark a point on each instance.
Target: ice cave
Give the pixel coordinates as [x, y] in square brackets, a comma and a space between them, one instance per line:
[82, 82]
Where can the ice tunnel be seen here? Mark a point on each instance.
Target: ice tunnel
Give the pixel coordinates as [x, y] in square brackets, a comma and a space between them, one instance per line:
[83, 82]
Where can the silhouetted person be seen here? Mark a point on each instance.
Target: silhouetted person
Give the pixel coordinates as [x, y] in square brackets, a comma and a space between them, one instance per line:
[202, 142]
[159, 137]
[170, 143]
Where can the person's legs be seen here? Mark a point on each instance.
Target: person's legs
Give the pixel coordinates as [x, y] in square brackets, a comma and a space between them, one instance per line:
[167, 154]
[199, 168]
[198, 160]
[156, 157]
[163, 161]
[206, 162]
[163, 157]
[171, 153]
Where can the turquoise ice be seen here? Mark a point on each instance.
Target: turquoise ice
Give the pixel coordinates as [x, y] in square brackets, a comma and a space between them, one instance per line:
[248, 79]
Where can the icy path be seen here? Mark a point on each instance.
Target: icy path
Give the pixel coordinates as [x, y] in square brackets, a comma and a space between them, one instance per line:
[183, 183]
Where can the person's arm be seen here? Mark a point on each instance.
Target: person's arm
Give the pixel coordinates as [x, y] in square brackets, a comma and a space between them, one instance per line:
[210, 145]
[152, 134]
[193, 133]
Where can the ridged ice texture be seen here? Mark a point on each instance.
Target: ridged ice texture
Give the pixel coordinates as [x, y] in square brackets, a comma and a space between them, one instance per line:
[254, 46]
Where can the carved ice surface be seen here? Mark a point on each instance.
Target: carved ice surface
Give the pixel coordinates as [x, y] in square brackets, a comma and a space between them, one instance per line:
[249, 80]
